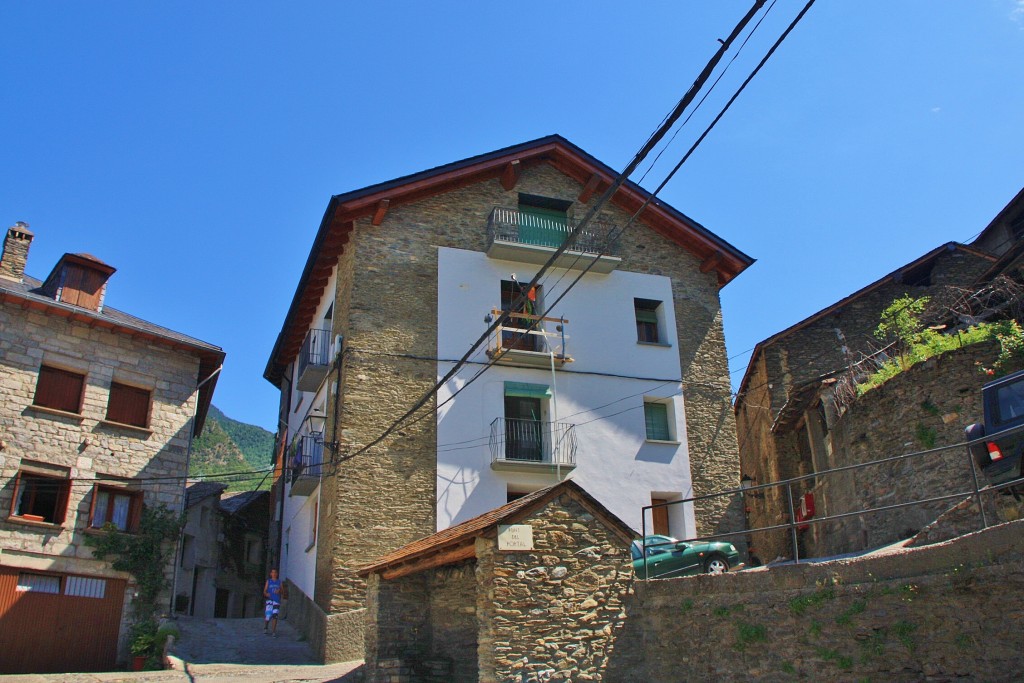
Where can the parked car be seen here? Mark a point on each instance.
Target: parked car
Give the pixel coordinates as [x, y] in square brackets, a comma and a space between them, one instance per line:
[998, 443]
[668, 557]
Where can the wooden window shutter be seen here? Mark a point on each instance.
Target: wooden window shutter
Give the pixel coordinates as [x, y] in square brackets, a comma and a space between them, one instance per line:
[60, 513]
[92, 505]
[128, 405]
[59, 389]
[659, 517]
[14, 496]
[135, 512]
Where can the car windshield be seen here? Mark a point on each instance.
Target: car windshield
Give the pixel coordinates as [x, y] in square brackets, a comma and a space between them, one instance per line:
[1011, 401]
[655, 545]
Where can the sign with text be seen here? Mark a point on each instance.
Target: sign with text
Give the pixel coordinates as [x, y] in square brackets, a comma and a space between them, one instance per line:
[515, 537]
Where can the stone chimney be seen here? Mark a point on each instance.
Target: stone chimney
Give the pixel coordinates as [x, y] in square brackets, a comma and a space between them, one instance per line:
[16, 244]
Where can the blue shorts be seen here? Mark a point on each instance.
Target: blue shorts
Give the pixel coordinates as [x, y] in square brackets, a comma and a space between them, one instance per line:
[271, 610]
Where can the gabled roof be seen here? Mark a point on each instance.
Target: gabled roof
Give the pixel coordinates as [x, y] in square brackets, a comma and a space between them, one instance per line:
[462, 537]
[235, 502]
[29, 294]
[200, 491]
[898, 275]
[337, 224]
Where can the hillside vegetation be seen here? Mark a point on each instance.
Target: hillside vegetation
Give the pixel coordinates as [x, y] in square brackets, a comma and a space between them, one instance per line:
[227, 446]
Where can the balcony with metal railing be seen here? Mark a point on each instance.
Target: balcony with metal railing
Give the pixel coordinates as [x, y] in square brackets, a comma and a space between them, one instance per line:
[314, 359]
[515, 235]
[532, 445]
[307, 465]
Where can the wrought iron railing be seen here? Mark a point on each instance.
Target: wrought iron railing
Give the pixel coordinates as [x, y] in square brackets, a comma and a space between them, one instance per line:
[521, 227]
[309, 457]
[315, 349]
[533, 441]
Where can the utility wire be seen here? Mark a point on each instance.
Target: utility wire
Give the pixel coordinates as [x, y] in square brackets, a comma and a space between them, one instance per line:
[655, 137]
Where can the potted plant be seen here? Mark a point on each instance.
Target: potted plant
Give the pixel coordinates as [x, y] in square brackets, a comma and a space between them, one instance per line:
[143, 643]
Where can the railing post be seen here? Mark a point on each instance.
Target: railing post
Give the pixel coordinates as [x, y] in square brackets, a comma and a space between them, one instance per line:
[977, 489]
[792, 522]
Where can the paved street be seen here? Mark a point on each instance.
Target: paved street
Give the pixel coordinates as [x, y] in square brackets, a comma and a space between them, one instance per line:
[224, 651]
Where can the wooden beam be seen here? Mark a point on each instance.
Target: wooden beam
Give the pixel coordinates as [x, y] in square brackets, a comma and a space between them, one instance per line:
[711, 262]
[382, 210]
[447, 556]
[590, 188]
[510, 176]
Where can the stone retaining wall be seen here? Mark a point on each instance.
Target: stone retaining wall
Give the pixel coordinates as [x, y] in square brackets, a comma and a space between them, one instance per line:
[954, 610]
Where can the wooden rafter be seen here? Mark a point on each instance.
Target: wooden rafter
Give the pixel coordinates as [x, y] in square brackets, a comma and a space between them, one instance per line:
[510, 176]
[439, 559]
[711, 261]
[382, 210]
[590, 188]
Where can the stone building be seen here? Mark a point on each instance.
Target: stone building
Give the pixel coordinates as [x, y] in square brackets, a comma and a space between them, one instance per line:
[220, 571]
[611, 369]
[99, 409]
[534, 587]
[787, 411]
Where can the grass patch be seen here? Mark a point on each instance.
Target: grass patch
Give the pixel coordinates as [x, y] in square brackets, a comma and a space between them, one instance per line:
[904, 630]
[748, 634]
[801, 604]
[839, 659]
[846, 618]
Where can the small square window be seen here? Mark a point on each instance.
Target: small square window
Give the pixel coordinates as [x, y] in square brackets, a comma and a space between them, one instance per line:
[38, 583]
[59, 389]
[656, 421]
[40, 497]
[128, 405]
[648, 329]
[117, 506]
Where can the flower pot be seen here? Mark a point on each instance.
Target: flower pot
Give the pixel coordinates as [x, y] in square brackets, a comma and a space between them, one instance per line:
[138, 662]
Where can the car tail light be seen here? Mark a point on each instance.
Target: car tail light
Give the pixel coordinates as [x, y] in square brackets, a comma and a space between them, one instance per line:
[993, 451]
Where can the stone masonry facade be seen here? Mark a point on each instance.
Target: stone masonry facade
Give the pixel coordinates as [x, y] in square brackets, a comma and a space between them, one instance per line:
[86, 445]
[552, 613]
[386, 308]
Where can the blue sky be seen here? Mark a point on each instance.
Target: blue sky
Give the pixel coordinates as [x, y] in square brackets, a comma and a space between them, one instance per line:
[195, 147]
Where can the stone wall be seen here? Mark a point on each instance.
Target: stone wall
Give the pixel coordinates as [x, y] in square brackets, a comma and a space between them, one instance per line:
[555, 610]
[86, 445]
[949, 611]
[924, 408]
[386, 308]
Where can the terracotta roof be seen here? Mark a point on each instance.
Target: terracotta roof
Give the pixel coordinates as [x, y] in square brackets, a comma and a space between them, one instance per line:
[29, 294]
[468, 531]
[342, 210]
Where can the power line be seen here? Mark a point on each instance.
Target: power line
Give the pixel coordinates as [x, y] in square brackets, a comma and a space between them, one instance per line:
[655, 137]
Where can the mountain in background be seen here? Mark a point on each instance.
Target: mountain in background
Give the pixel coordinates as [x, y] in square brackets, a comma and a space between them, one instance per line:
[228, 445]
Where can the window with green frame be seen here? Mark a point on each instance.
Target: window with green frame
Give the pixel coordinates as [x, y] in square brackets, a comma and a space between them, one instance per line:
[656, 421]
[647, 330]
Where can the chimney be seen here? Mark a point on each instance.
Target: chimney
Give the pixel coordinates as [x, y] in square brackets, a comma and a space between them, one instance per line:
[16, 244]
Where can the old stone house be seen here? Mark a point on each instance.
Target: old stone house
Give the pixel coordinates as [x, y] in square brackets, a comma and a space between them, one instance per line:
[220, 570]
[619, 379]
[98, 412]
[531, 588]
[789, 419]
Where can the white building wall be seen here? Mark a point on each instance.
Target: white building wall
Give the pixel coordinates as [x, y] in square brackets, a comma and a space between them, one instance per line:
[298, 560]
[602, 391]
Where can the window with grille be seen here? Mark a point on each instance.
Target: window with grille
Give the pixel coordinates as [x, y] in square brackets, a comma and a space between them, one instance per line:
[59, 389]
[128, 405]
[40, 497]
[656, 421]
[116, 506]
[647, 328]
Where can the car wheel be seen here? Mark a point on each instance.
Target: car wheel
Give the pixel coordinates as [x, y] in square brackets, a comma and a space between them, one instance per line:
[716, 565]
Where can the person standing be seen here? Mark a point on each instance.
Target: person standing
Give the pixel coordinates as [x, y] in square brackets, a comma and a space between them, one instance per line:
[272, 592]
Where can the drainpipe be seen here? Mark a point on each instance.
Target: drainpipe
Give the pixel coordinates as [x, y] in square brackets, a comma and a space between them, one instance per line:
[554, 417]
[184, 489]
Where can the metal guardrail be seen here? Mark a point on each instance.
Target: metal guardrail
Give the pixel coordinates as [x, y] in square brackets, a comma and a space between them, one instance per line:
[315, 349]
[529, 441]
[521, 227]
[525, 332]
[309, 458]
[977, 491]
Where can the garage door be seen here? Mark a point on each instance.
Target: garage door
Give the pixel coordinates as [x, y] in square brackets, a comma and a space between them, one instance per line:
[52, 623]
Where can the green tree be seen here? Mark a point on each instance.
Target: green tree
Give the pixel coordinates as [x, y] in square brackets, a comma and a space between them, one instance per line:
[901, 322]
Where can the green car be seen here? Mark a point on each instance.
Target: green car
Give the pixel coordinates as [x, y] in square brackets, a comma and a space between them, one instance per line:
[668, 557]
